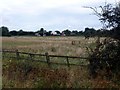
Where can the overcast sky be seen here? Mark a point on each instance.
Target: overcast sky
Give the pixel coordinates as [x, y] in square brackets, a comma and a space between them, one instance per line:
[31, 15]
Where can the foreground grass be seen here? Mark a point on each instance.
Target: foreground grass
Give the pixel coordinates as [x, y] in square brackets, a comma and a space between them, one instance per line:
[31, 74]
[28, 74]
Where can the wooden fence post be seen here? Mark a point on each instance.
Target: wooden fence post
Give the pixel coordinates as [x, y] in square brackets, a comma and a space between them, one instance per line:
[68, 62]
[3, 53]
[17, 55]
[31, 56]
[47, 58]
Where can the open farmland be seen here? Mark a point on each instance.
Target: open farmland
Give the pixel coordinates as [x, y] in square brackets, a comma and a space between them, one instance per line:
[29, 74]
[52, 45]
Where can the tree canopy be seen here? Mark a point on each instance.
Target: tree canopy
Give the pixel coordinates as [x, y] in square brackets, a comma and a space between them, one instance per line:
[109, 15]
[4, 31]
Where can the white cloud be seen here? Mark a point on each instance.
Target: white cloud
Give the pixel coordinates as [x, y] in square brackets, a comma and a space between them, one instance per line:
[20, 13]
[35, 6]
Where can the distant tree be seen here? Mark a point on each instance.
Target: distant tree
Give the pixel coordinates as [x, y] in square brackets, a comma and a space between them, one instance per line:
[21, 32]
[80, 33]
[4, 31]
[48, 33]
[67, 32]
[31, 33]
[13, 33]
[75, 33]
[42, 32]
[89, 32]
[58, 32]
[99, 33]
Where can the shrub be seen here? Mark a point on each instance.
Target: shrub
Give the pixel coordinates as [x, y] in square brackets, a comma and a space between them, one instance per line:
[105, 57]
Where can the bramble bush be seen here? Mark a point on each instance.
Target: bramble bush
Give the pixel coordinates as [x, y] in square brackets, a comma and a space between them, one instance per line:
[105, 57]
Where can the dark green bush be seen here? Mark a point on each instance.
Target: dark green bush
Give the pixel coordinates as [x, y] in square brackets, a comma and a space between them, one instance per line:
[105, 57]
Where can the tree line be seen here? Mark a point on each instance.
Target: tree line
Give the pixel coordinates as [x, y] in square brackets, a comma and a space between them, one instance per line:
[88, 32]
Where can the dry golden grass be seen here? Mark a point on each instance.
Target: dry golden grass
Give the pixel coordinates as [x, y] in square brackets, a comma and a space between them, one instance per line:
[52, 45]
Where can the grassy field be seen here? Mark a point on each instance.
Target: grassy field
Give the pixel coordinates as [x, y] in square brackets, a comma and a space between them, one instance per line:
[52, 45]
[24, 74]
